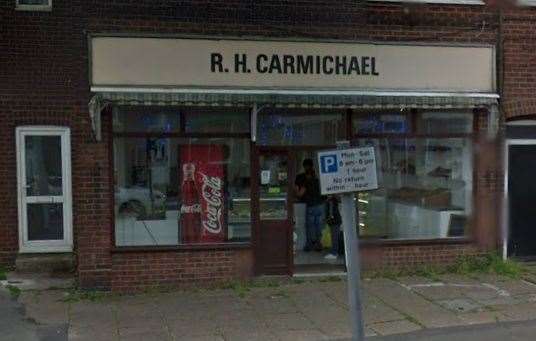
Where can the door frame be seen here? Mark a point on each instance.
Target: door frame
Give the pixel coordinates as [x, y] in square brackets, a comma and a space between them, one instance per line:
[267, 150]
[506, 199]
[44, 246]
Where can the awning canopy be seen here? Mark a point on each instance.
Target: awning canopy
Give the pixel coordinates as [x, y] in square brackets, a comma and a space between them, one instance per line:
[283, 98]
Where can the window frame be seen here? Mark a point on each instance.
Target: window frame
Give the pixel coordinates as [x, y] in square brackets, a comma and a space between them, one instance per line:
[528, 3]
[437, 2]
[28, 7]
[413, 116]
[178, 134]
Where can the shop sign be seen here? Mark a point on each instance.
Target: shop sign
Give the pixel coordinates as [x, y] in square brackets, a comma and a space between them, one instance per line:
[347, 170]
[256, 64]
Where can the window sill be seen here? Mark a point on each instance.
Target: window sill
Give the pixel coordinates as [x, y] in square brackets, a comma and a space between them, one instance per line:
[34, 8]
[173, 248]
[527, 3]
[436, 2]
[404, 242]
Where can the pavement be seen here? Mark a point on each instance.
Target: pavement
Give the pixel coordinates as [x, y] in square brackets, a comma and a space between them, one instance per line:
[511, 331]
[15, 326]
[405, 308]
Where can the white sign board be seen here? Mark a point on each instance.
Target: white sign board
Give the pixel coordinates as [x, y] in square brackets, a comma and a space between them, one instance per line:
[347, 170]
[256, 64]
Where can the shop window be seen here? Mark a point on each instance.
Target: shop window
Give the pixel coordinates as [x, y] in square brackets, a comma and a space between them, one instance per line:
[146, 119]
[300, 127]
[178, 190]
[426, 182]
[381, 123]
[445, 123]
[225, 120]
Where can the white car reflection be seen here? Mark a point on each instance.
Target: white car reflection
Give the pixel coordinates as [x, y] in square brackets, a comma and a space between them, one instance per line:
[137, 201]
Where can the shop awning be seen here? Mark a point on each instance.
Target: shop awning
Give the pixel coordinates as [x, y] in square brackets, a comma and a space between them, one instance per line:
[284, 98]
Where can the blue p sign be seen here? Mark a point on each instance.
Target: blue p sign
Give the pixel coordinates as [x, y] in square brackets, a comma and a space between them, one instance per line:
[328, 164]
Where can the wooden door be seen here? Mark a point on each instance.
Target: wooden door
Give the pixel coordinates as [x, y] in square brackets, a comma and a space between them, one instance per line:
[274, 209]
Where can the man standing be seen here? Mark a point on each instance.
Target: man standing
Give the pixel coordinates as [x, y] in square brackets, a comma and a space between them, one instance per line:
[307, 187]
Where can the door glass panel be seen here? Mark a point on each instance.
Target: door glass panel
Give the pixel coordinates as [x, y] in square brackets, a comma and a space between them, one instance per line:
[45, 221]
[43, 165]
[273, 187]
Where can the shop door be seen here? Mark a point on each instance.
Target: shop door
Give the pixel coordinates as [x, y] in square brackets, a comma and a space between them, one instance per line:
[521, 200]
[44, 189]
[274, 214]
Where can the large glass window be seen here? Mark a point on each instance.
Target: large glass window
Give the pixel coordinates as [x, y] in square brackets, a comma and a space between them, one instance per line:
[312, 127]
[426, 177]
[177, 190]
[227, 120]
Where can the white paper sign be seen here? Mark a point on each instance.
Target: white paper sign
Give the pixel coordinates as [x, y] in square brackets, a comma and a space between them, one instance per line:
[265, 177]
[347, 170]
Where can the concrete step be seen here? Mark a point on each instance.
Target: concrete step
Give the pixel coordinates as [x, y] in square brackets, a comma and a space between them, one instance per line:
[45, 263]
[39, 281]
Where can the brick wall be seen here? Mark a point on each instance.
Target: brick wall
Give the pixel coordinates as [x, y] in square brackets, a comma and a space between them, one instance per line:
[417, 255]
[135, 271]
[519, 33]
[43, 80]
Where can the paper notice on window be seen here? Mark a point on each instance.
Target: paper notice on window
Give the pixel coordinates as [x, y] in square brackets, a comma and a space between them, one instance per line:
[265, 177]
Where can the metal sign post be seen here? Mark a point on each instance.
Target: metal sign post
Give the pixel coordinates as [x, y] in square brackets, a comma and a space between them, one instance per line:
[350, 221]
[345, 172]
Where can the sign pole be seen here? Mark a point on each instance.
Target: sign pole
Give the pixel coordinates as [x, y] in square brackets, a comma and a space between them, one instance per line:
[350, 221]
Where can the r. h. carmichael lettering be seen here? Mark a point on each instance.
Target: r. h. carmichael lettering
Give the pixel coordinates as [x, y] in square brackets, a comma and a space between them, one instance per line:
[295, 64]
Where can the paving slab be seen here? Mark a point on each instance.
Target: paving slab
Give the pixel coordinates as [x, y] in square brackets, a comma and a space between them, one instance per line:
[273, 305]
[458, 279]
[301, 335]
[409, 303]
[187, 337]
[413, 280]
[519, 312]
[439, 291]
[461, 305]
[330, 319]
[90, 314]
[294, 321]
[144, 335]
[338, 330]
[374, 311]
[498, 301]
[45, 307]
[249, 336]
[192, 327]
[483, 293]
[517, 287]
[77, 333]
[481, 317]
[249, 325]
[394, 327]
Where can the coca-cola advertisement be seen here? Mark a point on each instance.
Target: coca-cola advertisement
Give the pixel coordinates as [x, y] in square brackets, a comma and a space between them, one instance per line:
[203, 213]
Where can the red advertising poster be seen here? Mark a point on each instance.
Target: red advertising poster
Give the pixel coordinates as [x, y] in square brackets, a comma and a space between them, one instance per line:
[203, 211]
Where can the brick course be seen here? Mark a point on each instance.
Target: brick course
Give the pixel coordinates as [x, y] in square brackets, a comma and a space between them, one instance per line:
[44, 80]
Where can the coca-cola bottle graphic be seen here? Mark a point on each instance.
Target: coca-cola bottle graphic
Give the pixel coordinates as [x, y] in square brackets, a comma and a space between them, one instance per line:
[190, 218]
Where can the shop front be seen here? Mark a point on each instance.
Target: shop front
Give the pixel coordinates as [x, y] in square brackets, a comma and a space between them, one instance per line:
[208, 137]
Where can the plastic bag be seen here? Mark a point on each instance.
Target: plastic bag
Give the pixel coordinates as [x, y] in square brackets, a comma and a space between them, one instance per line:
[326, 237]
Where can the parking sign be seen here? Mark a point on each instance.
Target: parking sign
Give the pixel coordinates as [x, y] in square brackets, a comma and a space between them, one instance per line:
[328, 163]
[347, 170]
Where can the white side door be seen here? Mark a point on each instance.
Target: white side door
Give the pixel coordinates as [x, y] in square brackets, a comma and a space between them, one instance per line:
[44, 189]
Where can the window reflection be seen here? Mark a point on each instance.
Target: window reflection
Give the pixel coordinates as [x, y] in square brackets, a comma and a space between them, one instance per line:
[173, 191]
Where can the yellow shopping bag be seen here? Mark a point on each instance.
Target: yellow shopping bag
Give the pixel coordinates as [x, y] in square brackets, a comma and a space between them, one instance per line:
[326, 237]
